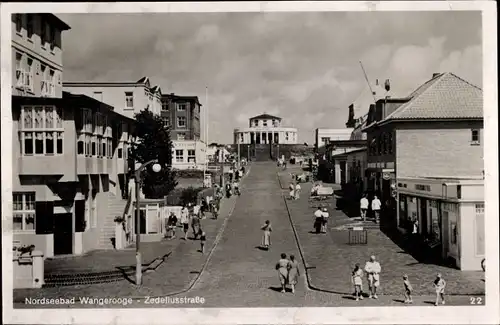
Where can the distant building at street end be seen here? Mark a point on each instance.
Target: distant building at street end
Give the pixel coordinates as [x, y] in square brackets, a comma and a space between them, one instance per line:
[127, 97]
[324, 136]
[265, 129]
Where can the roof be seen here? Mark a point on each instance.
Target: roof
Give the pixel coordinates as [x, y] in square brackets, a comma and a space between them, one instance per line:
[266, 116]
[175, 97]
[446, 96]
[56, 21]
[143, 81]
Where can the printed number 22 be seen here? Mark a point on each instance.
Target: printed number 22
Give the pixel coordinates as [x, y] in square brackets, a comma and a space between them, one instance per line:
[476, 300]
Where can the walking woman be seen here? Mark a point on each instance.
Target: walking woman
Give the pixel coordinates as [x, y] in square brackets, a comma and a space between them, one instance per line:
[293, 272]
[266, 238]
[282, 268]
[185, 221]
[357, 281]
[292, 191]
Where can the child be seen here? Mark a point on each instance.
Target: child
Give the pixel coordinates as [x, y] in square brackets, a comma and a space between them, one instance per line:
[203, 239]
[408, 289]
[439, 284]
[357, 280]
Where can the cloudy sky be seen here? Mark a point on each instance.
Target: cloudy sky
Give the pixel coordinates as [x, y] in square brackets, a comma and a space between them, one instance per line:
[303, 67]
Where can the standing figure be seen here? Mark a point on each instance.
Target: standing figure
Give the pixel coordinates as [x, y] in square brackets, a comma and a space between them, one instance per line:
[292, 191]
[439, 284]
[408, 289]
[318, 220]
[195, 226]
[236, 187]
[293, 272]
[297, 191]
[376, 205]
[363, 204]
[357, 281]
[171, 224]
[203, 239]
[373, 269]
[266, 238]
[228, 190]
[282, 268]
[324, 221]
[185, 220]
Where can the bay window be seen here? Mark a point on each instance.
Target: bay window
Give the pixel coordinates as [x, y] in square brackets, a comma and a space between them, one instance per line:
[41, 130]
[85, 132]
[23, 211]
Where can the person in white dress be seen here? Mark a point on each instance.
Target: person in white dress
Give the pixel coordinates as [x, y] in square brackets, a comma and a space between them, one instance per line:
[376, 205]
[373, 269]
[297, 191]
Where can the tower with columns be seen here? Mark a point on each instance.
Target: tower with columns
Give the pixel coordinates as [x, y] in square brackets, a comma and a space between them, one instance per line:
[265, 129]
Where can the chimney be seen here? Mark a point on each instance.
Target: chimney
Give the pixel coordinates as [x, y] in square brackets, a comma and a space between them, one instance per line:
[435, 74]
[351, 122]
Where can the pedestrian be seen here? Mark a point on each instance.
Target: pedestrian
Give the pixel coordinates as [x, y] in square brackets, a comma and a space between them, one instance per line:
[297, 191]
[282, 268]
[293, 272]
[185, 220]
[373, 269]
[228, 189]
[439, 284]
[203, 239]
[214, 208]
[195, 226]
[284, 165]
[196, 210]
[171, 224]
[363, 204]
[266, 238]
[318, 220]
[231, 174]
[408, 289]
[357, 281]
[236, 187]
[324, 220]
[376, 205]
[292, 191]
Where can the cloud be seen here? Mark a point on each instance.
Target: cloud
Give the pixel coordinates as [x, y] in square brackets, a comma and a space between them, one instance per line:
[303, 67]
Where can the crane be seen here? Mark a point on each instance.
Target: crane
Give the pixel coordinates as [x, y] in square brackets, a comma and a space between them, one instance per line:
[368, 82]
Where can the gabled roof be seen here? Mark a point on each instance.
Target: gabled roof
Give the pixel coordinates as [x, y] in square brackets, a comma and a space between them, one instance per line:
[144, 80]
[446, 96]
[157, 89]
[266, 116]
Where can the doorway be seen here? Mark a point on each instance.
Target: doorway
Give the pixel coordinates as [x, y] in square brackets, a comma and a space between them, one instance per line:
[63, 233]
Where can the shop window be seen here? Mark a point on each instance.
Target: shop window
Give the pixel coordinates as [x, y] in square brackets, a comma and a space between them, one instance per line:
[23, 211]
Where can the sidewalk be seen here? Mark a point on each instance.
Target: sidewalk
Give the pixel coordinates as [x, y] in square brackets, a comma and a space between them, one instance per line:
[330, 259]
[174, 275]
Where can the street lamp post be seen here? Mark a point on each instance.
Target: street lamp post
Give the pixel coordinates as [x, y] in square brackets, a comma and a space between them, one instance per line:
[138, 257]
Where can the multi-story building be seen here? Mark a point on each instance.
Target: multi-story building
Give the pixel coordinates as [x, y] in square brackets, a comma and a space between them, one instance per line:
[434, 132]
[325, 136]
[68, 150]
[127, 98]
[265, 129]
[183, 114]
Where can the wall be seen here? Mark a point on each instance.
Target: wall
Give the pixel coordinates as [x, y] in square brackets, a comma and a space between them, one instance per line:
[469, 260]
[114, 96]
[332, 135]
[43, 243]
[438, 150]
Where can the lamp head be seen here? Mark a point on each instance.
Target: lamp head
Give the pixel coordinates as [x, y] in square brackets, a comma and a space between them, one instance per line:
[156, 167]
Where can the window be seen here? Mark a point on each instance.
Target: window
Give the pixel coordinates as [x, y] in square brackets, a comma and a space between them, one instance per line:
[179, 155]
[325, 140]
[475, 136]
[129, 99]
[181, 107]
[44, 33]
[167, 121]
[264, 122]
[181, 136]
[255, 122]
[389, 142]
[181, 121]
[28, 77]
[23, 211]
[19, 70]
[453, 230]
[30, 26]
[120, 153]
[479, 208]
[191, 156]
[85, 132]
[164, 105]
[41, 130]
[98, 95]
[19, 23]
[52, 39]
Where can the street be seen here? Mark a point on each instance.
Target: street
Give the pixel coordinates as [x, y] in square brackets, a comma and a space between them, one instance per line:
[237, 273]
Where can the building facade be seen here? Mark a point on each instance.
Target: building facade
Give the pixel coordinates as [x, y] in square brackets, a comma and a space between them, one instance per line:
[265, 129]
[450, 215]
[69, 151]
[127, 98]
[183, 114]
[436, 131]
[325, 136]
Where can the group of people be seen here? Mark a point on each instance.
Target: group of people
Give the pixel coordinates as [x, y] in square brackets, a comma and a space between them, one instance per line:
[190, 217]
[376, 205]
[295, 190]
[321, 220]
[282, 163]
[288, 272]
[372, 269]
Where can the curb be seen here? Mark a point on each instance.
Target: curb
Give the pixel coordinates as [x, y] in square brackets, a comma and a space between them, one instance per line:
[218, 237]
[310, 285]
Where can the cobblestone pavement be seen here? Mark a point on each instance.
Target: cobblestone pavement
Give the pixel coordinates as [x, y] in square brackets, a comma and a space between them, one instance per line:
[176, 274]
[330, 259]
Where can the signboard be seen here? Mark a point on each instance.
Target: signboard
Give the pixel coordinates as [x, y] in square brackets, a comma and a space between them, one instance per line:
[357, 228]
[386, 176]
